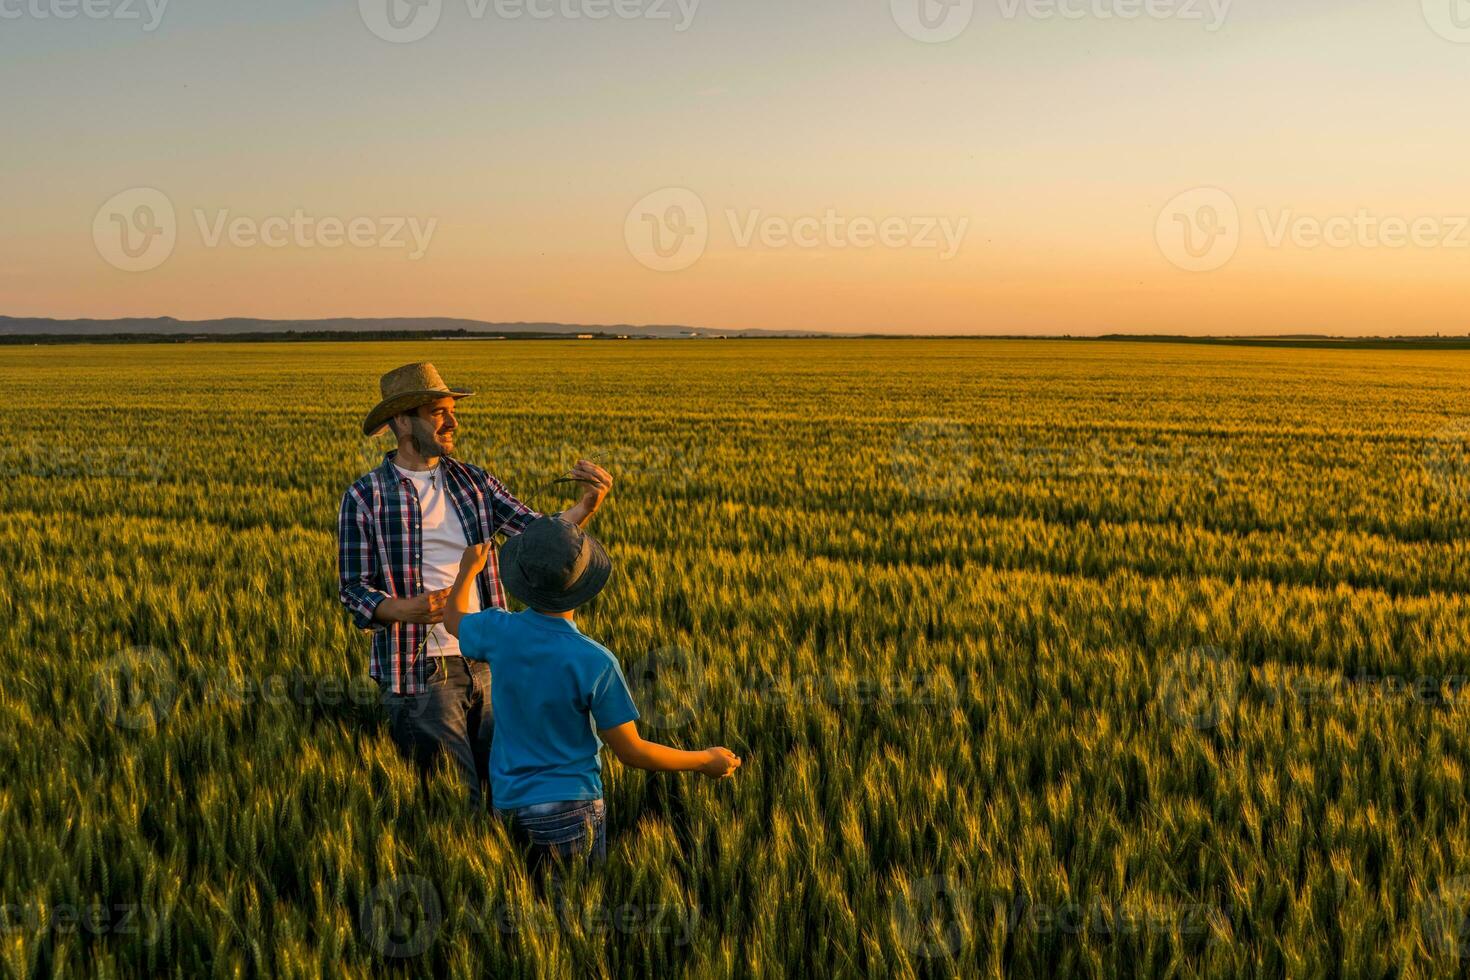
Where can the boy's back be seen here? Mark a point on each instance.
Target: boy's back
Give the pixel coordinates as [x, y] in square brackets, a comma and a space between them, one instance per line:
[551, 689]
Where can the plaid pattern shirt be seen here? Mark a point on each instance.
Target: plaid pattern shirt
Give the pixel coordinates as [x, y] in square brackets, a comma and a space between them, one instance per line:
[380, 554]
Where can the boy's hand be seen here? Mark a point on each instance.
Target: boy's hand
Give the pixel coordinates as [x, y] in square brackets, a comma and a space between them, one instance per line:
[474, 558]
[721, 764]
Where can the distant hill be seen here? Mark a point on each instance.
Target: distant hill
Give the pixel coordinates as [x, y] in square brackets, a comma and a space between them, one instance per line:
[167, 329]
[168, 326]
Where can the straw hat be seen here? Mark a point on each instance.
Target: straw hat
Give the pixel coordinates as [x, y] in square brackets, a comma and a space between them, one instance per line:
[407, 388]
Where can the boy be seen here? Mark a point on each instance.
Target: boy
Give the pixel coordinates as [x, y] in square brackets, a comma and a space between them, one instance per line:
[550, 686]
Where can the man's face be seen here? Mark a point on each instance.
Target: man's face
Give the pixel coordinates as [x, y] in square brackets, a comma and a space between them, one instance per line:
[431, 428]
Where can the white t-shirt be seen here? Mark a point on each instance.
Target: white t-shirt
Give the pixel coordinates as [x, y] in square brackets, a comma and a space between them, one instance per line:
[444, 543]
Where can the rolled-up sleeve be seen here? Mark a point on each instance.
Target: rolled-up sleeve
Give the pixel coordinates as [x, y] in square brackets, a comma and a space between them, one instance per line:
[356, 574]
[508, 515]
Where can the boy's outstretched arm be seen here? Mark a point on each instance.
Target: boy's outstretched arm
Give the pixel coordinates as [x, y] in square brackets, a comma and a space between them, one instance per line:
[631, 750]
[457, 605]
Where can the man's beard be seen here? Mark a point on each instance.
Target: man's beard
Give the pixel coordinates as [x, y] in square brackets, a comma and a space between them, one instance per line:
[428, 447]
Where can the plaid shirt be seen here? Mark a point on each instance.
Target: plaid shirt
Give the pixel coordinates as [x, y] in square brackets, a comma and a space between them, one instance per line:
[380, 551]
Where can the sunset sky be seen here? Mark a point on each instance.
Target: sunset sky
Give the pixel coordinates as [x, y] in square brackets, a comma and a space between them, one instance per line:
[1084, 167]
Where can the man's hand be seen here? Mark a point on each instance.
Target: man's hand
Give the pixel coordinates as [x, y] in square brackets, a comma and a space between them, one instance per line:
[721, 763]
[598, 482]
[427, 608]
[474, 559]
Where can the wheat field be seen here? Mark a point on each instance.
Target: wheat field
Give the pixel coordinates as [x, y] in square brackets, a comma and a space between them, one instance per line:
[1045, 659]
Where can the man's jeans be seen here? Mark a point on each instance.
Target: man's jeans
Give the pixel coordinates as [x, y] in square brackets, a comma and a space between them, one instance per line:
[557, 831]
[453, 716]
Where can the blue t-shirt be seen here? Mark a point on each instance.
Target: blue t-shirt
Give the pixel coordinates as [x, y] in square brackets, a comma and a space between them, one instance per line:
[552, 689]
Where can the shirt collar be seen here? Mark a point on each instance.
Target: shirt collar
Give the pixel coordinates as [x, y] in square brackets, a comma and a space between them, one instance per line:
[551, 622]
[390, 471]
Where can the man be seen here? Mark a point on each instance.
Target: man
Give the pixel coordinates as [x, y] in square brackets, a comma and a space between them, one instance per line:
[401, 532]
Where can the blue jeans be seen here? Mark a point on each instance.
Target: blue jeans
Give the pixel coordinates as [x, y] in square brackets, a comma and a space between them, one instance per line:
[557, 831]
[451, 718]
